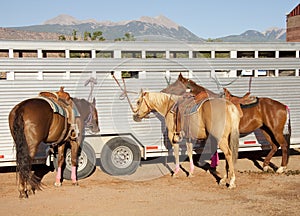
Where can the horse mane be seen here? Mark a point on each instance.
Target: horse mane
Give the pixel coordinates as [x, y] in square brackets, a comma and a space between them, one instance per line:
[161, 97]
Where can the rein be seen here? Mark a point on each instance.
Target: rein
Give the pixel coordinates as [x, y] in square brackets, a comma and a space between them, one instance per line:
[124, 90]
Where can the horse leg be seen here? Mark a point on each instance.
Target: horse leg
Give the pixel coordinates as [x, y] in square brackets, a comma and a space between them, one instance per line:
[284, 148]
[74, 156]
[189, 146]
[176, 155]
[60, 159]
[21, 187]
[28, 186]
[223, 144]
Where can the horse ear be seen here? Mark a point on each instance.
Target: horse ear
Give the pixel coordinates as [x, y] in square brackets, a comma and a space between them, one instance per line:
[180, 77]
[94, 101]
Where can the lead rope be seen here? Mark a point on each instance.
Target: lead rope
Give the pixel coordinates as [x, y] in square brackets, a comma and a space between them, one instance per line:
[250, 83]
[124, 92]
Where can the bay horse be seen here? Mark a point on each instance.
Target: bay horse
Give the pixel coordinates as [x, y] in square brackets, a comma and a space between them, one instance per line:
[215, 117]
[270, 116]
[33, 121]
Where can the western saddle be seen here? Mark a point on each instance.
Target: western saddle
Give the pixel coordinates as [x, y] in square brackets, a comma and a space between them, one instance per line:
[64, 100]
[184, 106]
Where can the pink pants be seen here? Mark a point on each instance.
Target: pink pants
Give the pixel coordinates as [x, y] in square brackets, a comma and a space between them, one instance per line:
[214, 160]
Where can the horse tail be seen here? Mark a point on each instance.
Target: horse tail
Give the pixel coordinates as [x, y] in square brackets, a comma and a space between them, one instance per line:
[234, 134]
[288, 131]
[23, 157]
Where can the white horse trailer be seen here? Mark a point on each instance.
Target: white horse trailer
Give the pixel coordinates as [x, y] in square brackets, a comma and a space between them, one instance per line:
[85, 69]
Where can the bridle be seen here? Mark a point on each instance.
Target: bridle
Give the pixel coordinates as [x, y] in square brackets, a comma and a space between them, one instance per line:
[150, 109]
[146, 103]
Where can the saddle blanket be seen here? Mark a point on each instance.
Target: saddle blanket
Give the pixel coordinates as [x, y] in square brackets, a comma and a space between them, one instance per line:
[58, 109]
[249, 105]
[195, 107]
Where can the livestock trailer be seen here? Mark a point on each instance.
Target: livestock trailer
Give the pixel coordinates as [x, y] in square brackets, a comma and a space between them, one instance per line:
[104, 69]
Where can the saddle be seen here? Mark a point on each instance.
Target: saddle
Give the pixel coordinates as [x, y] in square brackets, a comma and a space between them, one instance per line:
[190, 103]
[64, 100]
[185, 106]
[240, 102]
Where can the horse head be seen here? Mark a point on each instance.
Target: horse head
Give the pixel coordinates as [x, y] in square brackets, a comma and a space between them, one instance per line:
[88, 114]
[142, 109]
[176, 88]
[92, 122]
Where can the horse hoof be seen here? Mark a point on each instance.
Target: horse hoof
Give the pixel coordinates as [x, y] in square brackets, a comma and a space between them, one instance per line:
[174, 175]
[267, 169]
[75, 184]
[231, 186]
[222, 182]
[281, 170]
[23, 195]
[191, 175]
[57, 184]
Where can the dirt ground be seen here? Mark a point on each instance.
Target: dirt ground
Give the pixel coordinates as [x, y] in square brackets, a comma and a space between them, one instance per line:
[152, 191]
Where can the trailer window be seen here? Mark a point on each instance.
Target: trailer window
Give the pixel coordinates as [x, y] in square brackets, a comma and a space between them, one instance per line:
[54, 54]
[131, 54]
[104, 54]
[266, 54]
[80, 54]
[202, 54]
[2, 75]
[179, 54]
[25, 54]
[3, 53]
[130, 74]
[222, 54]
[155, 54]
[245, 54]
[287, 54]
[287, 72]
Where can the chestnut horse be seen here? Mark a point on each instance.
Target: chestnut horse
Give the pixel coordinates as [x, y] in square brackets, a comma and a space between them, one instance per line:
[269, 115]
[33, 121]
[215, 117]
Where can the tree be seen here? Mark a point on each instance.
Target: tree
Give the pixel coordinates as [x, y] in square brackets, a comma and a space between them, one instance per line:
[127, 37]
[74, 34]
[97, 35]
[86, 35]
[61, 37]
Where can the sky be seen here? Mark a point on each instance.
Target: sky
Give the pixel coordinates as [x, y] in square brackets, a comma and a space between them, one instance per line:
[206, 19]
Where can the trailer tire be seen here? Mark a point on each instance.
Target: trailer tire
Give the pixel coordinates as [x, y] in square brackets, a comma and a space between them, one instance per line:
[120, 156]
[86, 163]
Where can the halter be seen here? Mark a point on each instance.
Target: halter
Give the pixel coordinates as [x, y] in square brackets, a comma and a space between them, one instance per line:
[150, 109]
[147, 105]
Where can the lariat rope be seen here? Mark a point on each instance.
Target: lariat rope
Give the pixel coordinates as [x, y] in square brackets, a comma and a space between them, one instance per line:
[124, 90]
[93, 82]
[220, 85]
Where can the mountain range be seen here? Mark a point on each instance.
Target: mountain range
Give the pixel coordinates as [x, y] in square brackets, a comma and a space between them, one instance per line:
[145, 28]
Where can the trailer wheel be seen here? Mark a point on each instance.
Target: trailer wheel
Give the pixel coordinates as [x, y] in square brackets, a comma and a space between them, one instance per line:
[86, 162]
[120, 156]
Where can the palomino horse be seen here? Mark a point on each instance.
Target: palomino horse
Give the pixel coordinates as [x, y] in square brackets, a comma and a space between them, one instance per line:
[34, 121]
[216, 117]
[268, 115]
